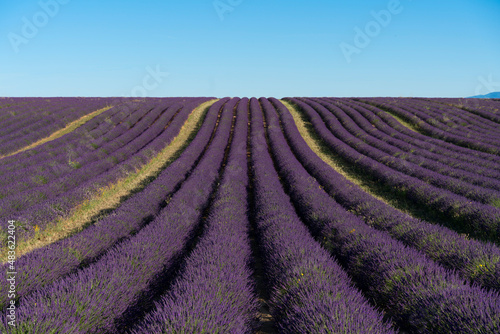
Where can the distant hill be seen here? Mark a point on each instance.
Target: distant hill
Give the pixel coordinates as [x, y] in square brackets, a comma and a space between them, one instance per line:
[494, 95]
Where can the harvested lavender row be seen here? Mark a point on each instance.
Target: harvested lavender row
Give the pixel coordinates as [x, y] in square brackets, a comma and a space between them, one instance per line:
[338, 124]
[476, 261]
[365, 131]
[417, 146]
[100, 297]
[477, 219]
[419, 295]
[310, 292]
[47, 264]
[418, 119]
[485, 160]
[215, 294]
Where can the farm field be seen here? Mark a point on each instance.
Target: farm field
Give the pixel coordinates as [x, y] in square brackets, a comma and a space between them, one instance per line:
[246, 215]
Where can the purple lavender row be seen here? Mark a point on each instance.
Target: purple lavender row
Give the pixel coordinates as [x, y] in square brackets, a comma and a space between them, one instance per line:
[339, 125]
[43, 266]
[460, 182]
[49, 124]
[125, 135]
[461, 117]
[484, 160]
[418, 119]
[35, 116]
[419, 295]
[74, 140]
[446, 121]
[41, 124]
[476, 261]
[29, 109]
[82, 140]
[103, 297]
[310, 293]
[42, 177]
[478, 219]
[24, 198]
[56, 118]
[486, 108]
[462, 126]
[215, 293]
[128, 159]
[379, 128]
[58, 151]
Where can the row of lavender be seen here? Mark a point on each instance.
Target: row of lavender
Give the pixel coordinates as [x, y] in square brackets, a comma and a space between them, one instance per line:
[119, 287]
[106, 295]
[476, 261]
[456, 121]
[444, 195]
[419, 295]
[387, 150]
[184, 242]
[31, 119]
[487, 108]
[427, 121]
[131, 139]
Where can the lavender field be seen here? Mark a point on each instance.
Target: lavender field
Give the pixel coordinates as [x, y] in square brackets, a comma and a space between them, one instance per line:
[238, 215]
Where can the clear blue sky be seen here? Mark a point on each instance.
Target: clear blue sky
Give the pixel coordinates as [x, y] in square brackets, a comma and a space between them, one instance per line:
[256, 48]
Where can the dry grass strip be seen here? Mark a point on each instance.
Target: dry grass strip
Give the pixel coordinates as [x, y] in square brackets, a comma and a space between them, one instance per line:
[110, 197]
[367, 184]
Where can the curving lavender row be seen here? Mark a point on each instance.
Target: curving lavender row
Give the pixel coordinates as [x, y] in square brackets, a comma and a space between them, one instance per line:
[448, 119]
[484, 160]
[44, 266]
[41, 175]
[88, 138]
[78, 185]
[419, 295]
[82, 150]
[421, 120]
[215, 292]
[310, 291]
[475, 218]
[106, 296]
[37, 124]
[486, 108]
[68, 145]
[476, 261]
[459, 117]
[378, 127]
[346, 130]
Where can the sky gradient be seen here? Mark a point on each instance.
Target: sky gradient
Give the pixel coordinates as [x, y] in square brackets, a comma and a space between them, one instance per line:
[249, 48]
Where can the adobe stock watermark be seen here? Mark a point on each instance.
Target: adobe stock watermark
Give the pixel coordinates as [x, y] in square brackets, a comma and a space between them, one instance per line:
[11, 273]
[487, 85]
[151, 81]
[30, 28]
[363, 37]
[222, 7]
